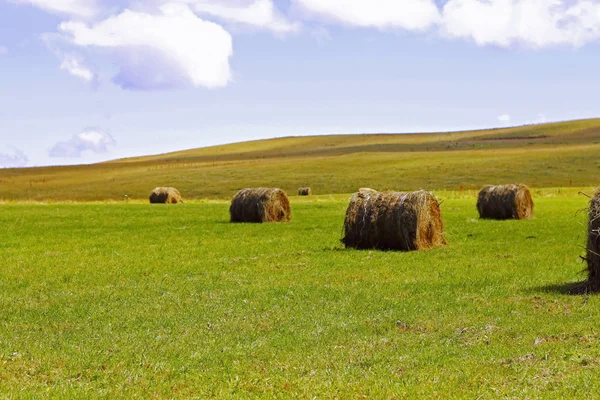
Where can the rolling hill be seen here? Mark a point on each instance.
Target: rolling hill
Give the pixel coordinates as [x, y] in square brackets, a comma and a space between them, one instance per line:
[545, 155]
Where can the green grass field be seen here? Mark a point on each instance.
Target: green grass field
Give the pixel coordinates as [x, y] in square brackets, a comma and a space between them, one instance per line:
[132, 300]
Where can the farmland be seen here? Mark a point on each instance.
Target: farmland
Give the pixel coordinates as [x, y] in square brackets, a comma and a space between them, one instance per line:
[551, 155]
[105, 296]
[124, 300]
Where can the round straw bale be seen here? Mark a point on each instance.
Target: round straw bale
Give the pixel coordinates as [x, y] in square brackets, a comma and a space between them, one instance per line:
[165, 195]
[393, 221]
[367, 190]
[260, 205]
[305, 191]
[593, 243]
[505, 202]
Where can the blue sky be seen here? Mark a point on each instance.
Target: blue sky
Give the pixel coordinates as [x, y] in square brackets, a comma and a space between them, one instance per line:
[84, 81]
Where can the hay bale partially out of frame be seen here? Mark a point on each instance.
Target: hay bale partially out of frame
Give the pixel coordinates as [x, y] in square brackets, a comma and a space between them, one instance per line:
[393, 221]
[593, 244]
[260, 205]
[165, 195]
[305, 191]
[505, 202]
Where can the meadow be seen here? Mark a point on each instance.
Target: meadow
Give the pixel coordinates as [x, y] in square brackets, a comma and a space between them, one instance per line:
[123, 300]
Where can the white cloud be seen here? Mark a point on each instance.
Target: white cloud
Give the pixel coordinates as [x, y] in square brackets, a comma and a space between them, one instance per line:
[530, 23]
[541, 119]
[70, 62]
[504, 118]
[383, 14]
[3, 50]
[16, 159]
[73, 65]
[259, 13]
[91, 140]
[533, 23]
[173, 48]
[77, 8]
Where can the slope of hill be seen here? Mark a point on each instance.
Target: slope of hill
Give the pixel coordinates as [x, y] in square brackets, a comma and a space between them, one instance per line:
[546, 155]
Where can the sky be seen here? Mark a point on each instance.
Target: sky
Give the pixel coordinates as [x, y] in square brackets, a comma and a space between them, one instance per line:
[84, 81]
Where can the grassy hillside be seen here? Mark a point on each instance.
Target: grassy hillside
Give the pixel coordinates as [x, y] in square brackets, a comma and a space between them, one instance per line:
[547, 155]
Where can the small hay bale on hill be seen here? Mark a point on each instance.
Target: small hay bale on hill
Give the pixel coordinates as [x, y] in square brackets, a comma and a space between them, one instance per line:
[367, 190]
[393, 221]
[165, 195]
[505, 202]
[593, 244]
[260, 205]
[305, 191]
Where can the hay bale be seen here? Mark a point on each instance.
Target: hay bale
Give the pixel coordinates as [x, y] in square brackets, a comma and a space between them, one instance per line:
[393, 221]
[593, 244]
[305, 191]
[505, 202]
[165, 195]
[260, 205]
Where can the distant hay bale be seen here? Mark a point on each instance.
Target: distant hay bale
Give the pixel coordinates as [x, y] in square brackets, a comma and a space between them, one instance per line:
[505, 202]
[260, 205]
[165, 195]
[393, 221]
[593, 243]
[367, 190]
[305, 191]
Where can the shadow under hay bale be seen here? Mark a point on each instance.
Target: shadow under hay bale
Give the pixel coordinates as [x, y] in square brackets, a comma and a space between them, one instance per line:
[505, 202]
[305, 191]
[393, 221]
[165, 195]
[572, 288]
[260, 205]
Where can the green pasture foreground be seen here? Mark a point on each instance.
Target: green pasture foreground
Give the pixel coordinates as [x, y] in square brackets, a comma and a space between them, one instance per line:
[134, 300]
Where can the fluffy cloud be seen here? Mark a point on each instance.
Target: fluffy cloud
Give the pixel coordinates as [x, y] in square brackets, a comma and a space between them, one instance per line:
[541, 119]
[92, 140]
[505, 119]
[173, 48]
[17, 159]
[77, 8]
[259, 13]
[530, 23]
[3, 50]
[165, 44]
[383, 14]
[73, 65]
[533, 23]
